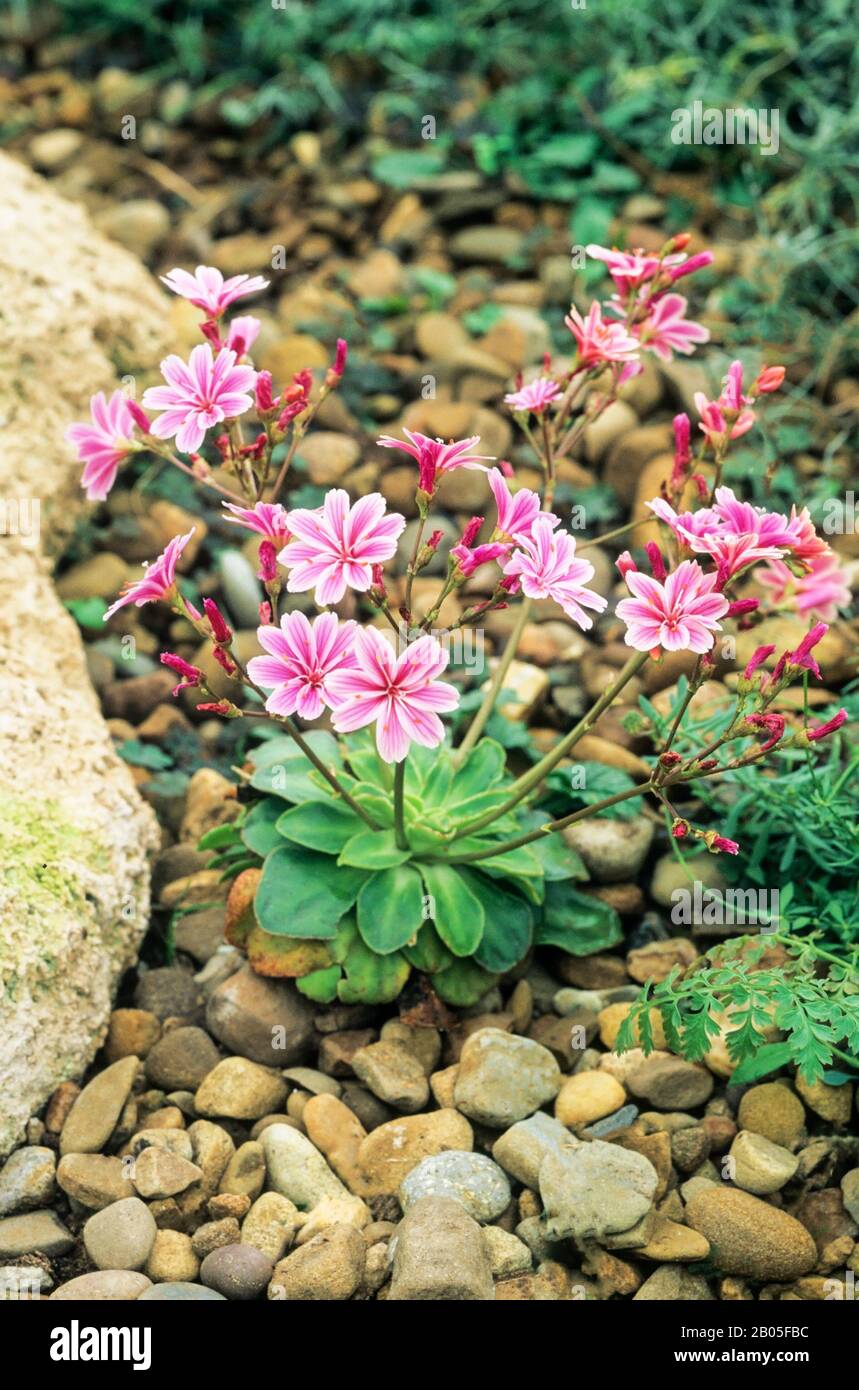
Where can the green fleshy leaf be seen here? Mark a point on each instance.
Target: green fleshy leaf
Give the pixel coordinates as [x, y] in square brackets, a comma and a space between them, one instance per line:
[148, 755]
[220, 836]
[429, 953]
[509, 925]
[320, 985]
[483, 767]
[371, 978]
[559, 861]
[373, 849]
[576, 922]
[457, 911]
[259, 829]
[304, 894]
[324, 826]
[375, 800]
[463, 983]
[390, 908]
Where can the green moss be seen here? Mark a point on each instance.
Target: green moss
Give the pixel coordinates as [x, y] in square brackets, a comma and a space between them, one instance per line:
[43, 851]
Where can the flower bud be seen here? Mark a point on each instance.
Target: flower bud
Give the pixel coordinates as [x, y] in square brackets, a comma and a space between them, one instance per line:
[220, 629]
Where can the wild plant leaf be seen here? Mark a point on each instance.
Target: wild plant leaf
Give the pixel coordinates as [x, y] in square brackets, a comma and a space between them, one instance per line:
[372, 849]
[259, 828]
[302, 893]
[456, 911]
[576, 922]
[508, 925]
[324, 826]
[390, 908]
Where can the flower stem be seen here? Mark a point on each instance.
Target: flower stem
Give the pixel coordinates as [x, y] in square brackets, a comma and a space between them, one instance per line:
[399, 808]
[551, 826]
[532, 778]
[478, 723]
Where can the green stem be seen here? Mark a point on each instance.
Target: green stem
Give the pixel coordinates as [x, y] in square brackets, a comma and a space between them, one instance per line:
[524, 784]
[551, 826]
[478, 723]
[618, 531]
[399, 807]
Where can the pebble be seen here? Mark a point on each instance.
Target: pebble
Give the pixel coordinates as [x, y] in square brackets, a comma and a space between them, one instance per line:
[613, 850]
[239, 1089]
[159, 1173]
[131, 1033]
[612, 1124]
[338, 1133]
[270, 1225]
[521, 1149]
[439, 1254]
[472, 1179]
[760, 1166]
[334, 1211]
[831, 1103]
[671, 1084]
[657, 959]
[316, 1082]
[27, 1180]
[671, 1242]
[750, 1237]
[850, 1192]
[423, 1043]
[239, 1272]
[595, 1190]
[328, 1268]
[244, 1175]
[168, 992]
[266, 1021]
[296, 1169]
[393, 1074]
[181, 1292]
[174, 1141]
[773, 1111]
[35, 1231]
[120, 1236]
[670, 1284]
[503, 1078]
[182, 1059]
[213, 1234]
[109, 1285]
[588, 1096]
[93, 1117]
[172, 1258]
[94, 1180]
[392, 1150]
[507, 1253]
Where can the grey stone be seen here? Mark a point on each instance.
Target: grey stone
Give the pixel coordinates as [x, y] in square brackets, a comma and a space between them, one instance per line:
[503, 1078]
[267, 1021]
[239, 1272]
[181, 1059]
[92, 1119]
[37, 1231]
[439, 1254]
[596, 1189]
[470, 1178]
[104, 1285]
[181, 1292]
[296, 1169]
[121, 1236]
[521, 1149]
[27, 1180]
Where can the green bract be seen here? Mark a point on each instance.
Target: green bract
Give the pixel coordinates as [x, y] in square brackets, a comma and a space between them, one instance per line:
[371, 911]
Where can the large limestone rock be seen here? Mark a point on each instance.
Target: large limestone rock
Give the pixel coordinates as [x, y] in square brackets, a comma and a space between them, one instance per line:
[75, 314]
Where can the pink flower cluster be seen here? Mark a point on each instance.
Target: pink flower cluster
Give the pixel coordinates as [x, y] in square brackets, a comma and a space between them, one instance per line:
[356, 673]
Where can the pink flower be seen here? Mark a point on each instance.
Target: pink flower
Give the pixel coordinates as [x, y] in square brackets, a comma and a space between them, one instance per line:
[208, 290]
[469, 560]
[242, 334]
[434, 457]
[696, 262]
[517, 511]
[199, 394]
[302, 658]
[158, 580]
[268, 519]
[400, 694]
[104, 443]
[666, 330]
[191, 676]
[758, 657]
[820, 593]
[745, 519]
[717, 844]
[625, 564]
[828, 728]
[629, 269]
[769, 379]
[600, 341]
[704, 522]
[536, 397]
[547, 566]
[714, 422]
[731, 552]
[805, 543]
[801, 657]
[337, 546]
[680, 615]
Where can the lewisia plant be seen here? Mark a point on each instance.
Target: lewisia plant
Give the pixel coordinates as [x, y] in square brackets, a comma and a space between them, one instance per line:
[393, 841]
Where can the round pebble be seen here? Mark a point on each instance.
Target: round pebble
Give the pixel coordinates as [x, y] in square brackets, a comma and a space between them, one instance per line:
[474, 1180]
[239, 1272]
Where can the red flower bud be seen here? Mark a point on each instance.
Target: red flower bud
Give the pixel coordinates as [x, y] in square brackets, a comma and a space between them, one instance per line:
[220, 630]
[264, 397]
[139, 416]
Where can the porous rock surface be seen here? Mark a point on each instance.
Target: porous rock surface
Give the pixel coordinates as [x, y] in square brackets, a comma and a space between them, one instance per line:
[76, 313]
